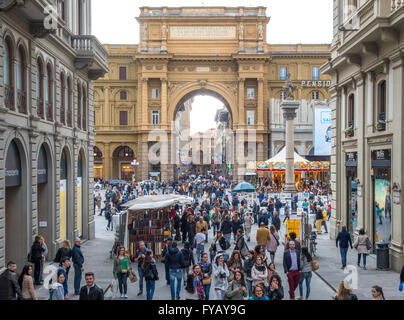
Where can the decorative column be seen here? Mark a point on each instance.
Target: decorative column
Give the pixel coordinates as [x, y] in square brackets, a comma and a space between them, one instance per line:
[145, 102]
[106, 119]
[260, 116]
[164, 103]
[289, 108]
[241, 112]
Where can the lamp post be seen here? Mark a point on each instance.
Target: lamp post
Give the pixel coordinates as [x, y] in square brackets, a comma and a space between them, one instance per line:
[134, 164]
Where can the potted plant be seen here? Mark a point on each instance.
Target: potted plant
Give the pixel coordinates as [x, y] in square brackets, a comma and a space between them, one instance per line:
[380, 125]
[349, 132]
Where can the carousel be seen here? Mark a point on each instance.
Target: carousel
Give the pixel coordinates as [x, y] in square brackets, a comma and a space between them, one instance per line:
[274, 169]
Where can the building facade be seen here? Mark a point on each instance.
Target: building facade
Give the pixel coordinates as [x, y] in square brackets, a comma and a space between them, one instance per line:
[48, 60]
[367, 119]
[183, 52]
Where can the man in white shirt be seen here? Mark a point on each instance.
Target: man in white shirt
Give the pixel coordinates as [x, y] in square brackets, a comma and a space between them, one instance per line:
[200, 239]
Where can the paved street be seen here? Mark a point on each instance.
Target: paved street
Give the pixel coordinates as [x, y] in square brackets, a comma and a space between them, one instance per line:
[96, 253]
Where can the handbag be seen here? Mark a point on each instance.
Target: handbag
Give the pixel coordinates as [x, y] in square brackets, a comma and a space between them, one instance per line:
[206, 281]
[132, 276]
[30, 259]
[368, 244]
[314, 265]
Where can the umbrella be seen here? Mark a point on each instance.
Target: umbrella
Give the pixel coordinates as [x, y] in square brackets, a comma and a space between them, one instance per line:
[244, 187]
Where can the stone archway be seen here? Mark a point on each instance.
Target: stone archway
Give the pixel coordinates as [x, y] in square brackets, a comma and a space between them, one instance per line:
[227, 95]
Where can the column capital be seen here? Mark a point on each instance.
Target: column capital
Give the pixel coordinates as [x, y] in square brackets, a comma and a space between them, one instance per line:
[144, 80]
[260, 80]
[241, 80]
[164, 80]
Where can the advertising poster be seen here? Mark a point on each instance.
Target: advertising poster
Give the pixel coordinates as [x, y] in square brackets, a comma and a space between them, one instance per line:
[322, 131]
[79, 206]
[382, 216]
[63, 206]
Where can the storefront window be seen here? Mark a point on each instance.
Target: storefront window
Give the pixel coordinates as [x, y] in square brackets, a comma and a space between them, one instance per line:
[381, 167]
[352, 191]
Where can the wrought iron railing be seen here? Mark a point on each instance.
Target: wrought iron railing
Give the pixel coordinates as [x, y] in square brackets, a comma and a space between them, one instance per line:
[9, 97]
[39, 108]
[21, 101]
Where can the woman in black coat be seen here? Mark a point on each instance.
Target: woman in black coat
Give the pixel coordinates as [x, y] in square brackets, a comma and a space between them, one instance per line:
[36, 254]
[236, 224]
[64, 251]
[275, 290]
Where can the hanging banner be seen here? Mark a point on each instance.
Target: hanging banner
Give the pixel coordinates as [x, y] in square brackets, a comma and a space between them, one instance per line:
[63, 206]
[322, 131]
[79, 206]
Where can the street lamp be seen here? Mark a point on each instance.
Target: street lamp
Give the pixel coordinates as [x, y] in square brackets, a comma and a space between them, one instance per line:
[134, 164]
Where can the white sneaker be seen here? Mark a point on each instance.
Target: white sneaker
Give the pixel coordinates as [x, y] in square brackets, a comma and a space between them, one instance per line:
[300, 298]
[125, 296]
[122, 296]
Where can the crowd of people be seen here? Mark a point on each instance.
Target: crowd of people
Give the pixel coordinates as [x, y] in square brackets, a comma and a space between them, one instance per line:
[226, 267]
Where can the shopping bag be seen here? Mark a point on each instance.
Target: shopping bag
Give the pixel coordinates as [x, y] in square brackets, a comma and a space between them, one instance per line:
[111, 293]
[132, 276]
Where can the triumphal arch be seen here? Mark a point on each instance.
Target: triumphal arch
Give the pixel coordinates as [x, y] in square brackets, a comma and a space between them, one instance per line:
[184, 52]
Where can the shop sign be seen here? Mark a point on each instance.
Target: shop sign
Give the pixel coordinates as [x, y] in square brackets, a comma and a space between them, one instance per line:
[13, 166]
[42, 171]
[315, 84]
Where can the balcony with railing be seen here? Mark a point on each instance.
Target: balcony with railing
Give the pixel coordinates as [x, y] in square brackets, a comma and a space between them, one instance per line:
[49, 111]
[9, 97]
[39, 108]
[396, 5]
[91, 55]
[21, 101]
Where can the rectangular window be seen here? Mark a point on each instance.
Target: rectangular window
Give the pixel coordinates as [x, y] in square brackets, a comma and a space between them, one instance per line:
[122, 73]
[155, 117]
[250, 93]
[123, 118]
[283, 95]
[316, 73]
[283, 72]
[123, 95]
[155, 93]
[314, 95]
[250, 117]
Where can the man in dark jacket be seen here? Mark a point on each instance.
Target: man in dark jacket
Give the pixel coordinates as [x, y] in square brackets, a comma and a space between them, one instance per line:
[164, 255]
[226, 228]
[291, 266]
[175, 262]
[78, 261]
[278, 204]
[9, 286]
[276, 221]
[263, 217]
[91, 291]
[343, 239]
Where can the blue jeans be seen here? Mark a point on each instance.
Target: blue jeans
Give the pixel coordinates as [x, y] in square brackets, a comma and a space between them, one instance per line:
[123, 282]
[303, 276]
[227, 237]
[175, 274]
[141, 274]
[215, 228]
[110, 223]
[150, 285]
[343, 252]
[364, 258]
[199, 249]
[77, 278]
[206, 289]
[249, 287]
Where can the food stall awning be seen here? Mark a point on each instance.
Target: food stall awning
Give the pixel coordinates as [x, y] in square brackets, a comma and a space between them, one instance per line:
[157, 202]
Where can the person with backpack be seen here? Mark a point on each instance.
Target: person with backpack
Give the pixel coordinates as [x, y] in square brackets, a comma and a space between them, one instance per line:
[273, 242]
[188, 260]
[241, 245]
[150, 274]
[219, 246]
[175, 261]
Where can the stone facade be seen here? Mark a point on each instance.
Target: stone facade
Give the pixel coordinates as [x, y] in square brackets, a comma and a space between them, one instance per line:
[39, 65]
[236, 66]
[367, 105]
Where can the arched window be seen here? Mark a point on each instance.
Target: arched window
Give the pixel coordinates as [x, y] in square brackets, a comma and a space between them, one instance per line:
[351, 111]
[123, 152]
[69, 102]
[21, 92]
[97, 153]
[49, 93]
[79, 106]
[39, 88]
[62, 99]
[84, 109]
[8, 75]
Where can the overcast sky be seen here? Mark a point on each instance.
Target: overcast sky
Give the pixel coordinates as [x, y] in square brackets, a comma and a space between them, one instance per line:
[292, 21]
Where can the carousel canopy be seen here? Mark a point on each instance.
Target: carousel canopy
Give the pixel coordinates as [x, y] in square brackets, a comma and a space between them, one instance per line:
[157, 202]
[278, 163]
[281, 157]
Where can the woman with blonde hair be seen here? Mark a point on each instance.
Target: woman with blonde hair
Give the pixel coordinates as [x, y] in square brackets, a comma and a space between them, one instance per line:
[64, 251]
[344, 292]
